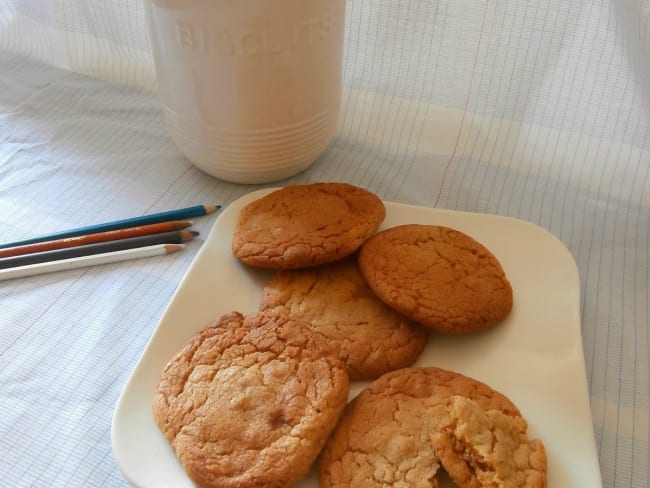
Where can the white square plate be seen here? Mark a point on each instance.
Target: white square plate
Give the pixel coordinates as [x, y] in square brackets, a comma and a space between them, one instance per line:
[534, 357]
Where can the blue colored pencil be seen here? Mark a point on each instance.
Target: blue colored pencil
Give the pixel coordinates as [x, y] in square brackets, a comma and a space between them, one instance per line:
[179, 214]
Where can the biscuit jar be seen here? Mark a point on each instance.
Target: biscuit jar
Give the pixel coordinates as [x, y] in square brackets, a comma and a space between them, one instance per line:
[250, 89]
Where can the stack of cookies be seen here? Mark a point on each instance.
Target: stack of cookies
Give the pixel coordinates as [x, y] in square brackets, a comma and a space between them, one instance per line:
[255, 400]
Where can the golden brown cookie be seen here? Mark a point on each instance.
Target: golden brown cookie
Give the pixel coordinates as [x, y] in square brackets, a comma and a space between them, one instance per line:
[334, 299]
[250, 400]
[437, 276]
[306, 225]
[480, 448]
[384, 436]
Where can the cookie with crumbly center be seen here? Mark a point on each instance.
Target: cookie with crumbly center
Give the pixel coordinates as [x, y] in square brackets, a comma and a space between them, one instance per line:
[384, 437]
[250, 400]
[488, 448]
[306, 225]
[438, 276]
[335, 300]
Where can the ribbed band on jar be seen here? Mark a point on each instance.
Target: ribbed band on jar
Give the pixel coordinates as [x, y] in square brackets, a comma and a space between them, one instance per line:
[255, 155]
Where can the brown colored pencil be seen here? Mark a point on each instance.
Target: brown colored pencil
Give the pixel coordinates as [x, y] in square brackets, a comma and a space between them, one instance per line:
[111, 235]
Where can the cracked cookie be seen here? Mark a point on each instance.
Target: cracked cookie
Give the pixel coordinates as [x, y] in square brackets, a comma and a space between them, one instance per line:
[437, 276]
[384, 436]
[250, 400]
[306, 225]
[335, 300]
[488, 448]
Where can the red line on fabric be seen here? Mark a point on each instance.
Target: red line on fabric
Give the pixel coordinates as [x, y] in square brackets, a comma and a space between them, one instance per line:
[47, 309]
[169, 187]
[462, 121]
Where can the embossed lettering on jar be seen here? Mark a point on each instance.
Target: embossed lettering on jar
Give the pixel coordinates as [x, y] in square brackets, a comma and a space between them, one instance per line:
[250, 89]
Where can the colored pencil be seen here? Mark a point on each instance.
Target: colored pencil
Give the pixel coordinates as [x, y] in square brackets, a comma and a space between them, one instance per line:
[91, 260]
[110, 235]
[179, 214]
[175, 237]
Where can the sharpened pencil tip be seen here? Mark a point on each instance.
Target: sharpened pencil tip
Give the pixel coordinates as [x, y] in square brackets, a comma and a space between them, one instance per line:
[186, 235]
[211, 208]
[183, 224]
[173, 247]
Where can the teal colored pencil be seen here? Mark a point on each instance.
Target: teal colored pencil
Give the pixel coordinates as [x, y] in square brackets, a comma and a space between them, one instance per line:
[179, 214]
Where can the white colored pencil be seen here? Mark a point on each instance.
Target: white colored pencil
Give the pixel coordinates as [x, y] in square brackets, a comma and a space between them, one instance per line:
[90, 260]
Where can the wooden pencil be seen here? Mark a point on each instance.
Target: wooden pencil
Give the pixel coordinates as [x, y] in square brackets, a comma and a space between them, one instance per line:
[90, 260]
[175, 237]
[110, 235]
[179, 214]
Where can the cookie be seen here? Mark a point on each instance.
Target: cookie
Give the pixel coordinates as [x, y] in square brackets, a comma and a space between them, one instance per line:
[250, 400]
[480, 448]
[335, 300]
[437, 276]
[384, 436]
[306, 225]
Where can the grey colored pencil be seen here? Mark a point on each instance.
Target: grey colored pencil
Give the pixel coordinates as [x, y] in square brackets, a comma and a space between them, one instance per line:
[173, 237]
[90, 260]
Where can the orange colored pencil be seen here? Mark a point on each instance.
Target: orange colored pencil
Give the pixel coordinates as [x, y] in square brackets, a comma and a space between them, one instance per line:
[111, 235]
